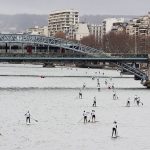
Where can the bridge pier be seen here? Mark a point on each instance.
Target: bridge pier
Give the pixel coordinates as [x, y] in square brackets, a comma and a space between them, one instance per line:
[9, 47]
[35, 49]
[6, 48]
[48, 49]
[22, 48]
[147, 83]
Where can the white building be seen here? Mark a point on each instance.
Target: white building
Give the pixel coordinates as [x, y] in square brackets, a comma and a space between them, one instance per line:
[108, 24]
[66, 21]
[96, 30]
[82, 31]
[139, 26]
[38, 30]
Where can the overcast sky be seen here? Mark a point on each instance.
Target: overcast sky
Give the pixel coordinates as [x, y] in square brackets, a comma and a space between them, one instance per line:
[114, 7]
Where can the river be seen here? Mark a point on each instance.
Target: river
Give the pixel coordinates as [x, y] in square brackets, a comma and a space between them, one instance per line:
[52, 97]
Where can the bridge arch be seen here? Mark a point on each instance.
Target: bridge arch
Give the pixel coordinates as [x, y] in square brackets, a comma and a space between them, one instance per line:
[48, 41]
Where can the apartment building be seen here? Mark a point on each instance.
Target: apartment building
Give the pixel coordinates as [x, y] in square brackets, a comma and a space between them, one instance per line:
[38, 30]
[66, 21]
[108, 24]
[82, 31]
[96, 30]
[139, 26]
[119, 27]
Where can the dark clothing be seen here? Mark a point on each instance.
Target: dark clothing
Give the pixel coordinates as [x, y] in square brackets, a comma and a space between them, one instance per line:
[85, 119]
[114, 96]
[98, 84]
[93, 118]
[94, 104]
[80, 95]
[128, 103]
[138, 102]
[114, 131]
[27, 119]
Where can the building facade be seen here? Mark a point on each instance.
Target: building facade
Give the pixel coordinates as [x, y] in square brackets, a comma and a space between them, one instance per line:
[82, 31]
[108, 24]
[96, 30]
[119, 27]
[66, 21]
[43, 31]
[139, 28]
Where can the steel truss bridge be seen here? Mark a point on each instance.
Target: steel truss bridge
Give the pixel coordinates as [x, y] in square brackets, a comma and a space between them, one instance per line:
[48, 41]
[92, 53]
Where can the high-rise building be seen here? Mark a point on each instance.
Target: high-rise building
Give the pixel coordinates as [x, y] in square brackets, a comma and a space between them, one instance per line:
[65, 21]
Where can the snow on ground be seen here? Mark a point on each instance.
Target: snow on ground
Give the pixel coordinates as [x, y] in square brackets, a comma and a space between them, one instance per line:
[54, 102]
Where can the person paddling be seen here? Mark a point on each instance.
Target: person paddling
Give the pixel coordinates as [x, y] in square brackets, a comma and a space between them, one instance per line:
[80, 95]
[27, 117]
[93, 115]
[94, 102]
[128, 102]
[84, 85]
[138, 101]
[114, 130]
[85, 116]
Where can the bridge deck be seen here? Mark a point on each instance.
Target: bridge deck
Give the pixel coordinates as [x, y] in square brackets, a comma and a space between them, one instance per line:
[112, 59]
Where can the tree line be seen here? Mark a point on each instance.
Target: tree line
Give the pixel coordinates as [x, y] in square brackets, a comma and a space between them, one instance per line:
[117, 43]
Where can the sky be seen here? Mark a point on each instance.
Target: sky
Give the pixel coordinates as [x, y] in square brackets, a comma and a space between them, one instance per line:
[85, 7]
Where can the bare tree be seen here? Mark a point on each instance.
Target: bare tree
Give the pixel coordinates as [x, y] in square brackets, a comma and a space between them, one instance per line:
[118, 43]
[91, 41]
[60, 34]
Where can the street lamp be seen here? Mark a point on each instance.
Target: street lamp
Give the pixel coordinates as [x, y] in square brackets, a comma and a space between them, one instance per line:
[135, 44]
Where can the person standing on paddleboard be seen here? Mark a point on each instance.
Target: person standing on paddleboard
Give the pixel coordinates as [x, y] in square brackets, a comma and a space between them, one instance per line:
[27, 117]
